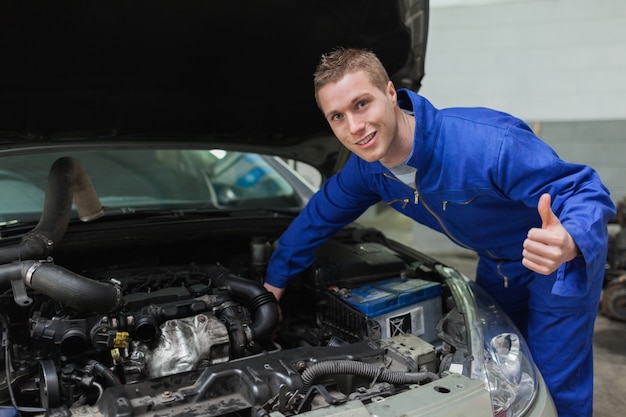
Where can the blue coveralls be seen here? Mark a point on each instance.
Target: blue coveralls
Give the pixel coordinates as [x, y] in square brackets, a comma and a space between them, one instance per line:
[480, 174]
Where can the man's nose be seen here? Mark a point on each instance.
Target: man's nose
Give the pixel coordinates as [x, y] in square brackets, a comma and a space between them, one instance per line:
[355, 124]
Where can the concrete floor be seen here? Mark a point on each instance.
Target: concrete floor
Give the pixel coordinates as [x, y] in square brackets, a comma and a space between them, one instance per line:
[609, 340]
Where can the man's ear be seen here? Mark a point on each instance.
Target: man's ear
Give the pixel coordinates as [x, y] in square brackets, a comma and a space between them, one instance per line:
[391, 90]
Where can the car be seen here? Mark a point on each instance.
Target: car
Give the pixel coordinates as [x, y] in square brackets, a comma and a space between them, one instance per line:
[151, 154]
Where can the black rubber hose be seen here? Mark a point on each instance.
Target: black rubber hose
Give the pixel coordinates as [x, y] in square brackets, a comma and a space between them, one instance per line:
[262, 303]
[8, 273]
[104, 372]
[70, 288]
[67, 182]
[368, 370]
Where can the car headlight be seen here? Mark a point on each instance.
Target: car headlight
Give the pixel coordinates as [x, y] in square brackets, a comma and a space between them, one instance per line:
[501, 357]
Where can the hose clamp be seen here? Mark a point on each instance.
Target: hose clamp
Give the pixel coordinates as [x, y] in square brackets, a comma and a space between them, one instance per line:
[29, 273]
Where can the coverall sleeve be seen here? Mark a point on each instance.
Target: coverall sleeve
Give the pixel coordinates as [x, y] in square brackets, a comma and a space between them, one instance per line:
[340, 201]
[527, 168]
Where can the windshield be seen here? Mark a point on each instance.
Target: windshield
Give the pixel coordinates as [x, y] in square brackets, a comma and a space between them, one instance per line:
[138, 179]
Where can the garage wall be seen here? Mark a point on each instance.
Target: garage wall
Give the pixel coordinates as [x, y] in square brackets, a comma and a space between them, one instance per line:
[540, 60]
[600, 143]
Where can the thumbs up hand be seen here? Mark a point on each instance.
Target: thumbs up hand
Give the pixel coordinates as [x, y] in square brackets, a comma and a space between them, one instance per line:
[547, 248]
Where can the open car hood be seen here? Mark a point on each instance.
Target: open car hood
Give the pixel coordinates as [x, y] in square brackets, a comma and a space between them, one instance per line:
[219, 70]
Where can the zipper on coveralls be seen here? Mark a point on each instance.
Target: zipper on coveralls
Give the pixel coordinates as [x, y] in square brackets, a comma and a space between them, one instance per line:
[432, 213]
[453, 238]
[405, 201]
[416, 194]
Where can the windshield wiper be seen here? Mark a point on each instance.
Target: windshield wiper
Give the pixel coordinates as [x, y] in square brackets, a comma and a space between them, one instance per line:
[13, 228]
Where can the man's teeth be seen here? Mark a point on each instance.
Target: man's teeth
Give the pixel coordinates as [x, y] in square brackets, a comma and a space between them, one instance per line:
[366, 140]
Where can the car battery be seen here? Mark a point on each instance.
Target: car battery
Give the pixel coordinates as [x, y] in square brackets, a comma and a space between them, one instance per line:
[400, 306]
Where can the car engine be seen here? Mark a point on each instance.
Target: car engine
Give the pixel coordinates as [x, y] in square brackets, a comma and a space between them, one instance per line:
[144, 318]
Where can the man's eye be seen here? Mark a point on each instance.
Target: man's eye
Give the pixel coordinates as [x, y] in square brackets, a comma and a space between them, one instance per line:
[335, 117]
[361, 104]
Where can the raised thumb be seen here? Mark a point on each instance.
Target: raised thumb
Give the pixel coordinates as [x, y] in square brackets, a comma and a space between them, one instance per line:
[548, 218]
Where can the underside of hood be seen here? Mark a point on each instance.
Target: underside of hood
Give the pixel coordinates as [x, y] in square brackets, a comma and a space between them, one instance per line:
[240, 70]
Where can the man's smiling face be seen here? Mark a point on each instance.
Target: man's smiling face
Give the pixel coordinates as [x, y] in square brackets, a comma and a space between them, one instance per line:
[362, 116]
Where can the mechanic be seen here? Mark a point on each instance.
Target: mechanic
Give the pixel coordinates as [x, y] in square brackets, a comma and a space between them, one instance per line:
[483, 178]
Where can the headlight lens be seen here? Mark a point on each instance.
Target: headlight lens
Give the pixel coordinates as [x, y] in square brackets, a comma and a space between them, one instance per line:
[509, 370]
[500, 355]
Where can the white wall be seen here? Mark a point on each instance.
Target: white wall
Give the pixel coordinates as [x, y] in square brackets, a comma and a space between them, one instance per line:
[537, 59]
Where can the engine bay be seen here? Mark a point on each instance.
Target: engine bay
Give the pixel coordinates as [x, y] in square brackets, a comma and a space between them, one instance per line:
[170, 316]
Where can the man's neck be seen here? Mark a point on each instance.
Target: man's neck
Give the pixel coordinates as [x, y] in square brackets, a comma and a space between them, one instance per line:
[404, 140]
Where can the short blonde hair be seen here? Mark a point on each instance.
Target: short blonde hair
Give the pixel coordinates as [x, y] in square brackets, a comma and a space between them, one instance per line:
[341, 61]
